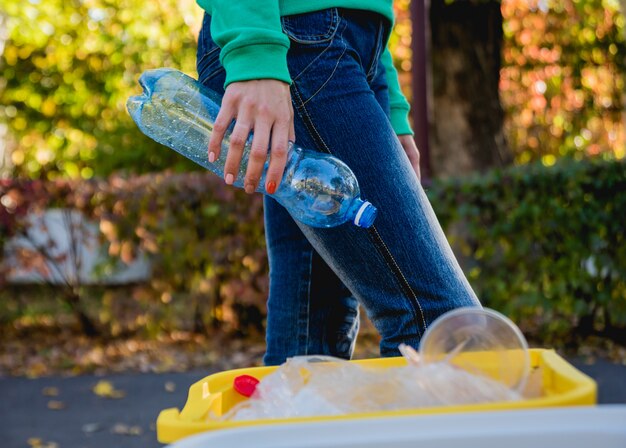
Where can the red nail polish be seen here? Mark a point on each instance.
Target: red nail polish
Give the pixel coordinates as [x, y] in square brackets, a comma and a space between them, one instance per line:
[271, 187]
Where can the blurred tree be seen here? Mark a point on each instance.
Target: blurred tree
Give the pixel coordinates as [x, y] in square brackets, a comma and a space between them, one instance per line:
[67, 69]
[468, 117]
[563, 78]
[556, 69]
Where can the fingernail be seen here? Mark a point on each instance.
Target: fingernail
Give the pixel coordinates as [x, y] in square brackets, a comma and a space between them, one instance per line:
[271, 187]
[249, 188]
[229, 179]
[211, 157]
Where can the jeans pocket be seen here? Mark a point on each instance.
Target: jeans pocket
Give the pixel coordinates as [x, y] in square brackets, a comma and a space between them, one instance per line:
[317, 47]
[208, 62]
[312, 27]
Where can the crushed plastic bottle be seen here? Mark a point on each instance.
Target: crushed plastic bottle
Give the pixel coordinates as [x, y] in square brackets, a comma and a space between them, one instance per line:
[177, 111]
[309, 386]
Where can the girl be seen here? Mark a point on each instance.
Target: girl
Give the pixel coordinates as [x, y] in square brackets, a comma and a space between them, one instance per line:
[319, 71]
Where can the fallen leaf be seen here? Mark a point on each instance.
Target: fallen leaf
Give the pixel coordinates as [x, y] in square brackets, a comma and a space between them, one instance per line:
[50, 392]
[106, 389]
[56, 405]
[120, 428]
[90, 428]
[35, 442]
[590, 360]
[170, 386]
[36, 369]
[126, 430]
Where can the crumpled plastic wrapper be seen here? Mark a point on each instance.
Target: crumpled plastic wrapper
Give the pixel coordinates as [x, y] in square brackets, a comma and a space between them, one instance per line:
[313, 386]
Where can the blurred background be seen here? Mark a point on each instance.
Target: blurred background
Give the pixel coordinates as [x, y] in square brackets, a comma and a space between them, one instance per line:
[118, 254]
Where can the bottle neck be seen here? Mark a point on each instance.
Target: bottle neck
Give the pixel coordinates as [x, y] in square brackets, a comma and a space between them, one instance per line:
[362, 213]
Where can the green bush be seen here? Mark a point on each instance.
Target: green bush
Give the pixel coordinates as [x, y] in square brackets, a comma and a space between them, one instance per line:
[66, 71]
[205, 241]
[544, 245]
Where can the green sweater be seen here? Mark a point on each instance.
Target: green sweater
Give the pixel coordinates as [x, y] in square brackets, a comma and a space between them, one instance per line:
[254, 46]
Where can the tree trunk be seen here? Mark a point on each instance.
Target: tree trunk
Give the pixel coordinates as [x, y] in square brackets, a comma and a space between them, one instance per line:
[623, 8]
[467, 129]
[87, 325]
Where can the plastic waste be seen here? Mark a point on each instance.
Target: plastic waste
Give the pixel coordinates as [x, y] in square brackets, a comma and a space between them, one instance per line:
[307, 386]
[177, 111]
[457, 334]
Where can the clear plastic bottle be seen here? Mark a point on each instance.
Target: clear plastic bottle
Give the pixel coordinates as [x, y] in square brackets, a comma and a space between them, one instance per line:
[177, 111]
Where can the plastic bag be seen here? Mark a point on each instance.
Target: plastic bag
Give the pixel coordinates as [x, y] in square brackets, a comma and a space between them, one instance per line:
[314, 386]
[448, 372]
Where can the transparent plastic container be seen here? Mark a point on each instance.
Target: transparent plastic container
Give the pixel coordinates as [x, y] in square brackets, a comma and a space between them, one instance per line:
[458, 336]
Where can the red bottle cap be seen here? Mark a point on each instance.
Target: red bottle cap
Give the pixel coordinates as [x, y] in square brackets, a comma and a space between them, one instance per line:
[245, 385]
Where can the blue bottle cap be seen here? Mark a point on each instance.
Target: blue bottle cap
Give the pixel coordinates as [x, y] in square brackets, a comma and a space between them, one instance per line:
[366, 215]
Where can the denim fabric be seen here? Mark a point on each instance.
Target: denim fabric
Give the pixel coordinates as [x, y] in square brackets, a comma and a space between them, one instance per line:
[401, 270]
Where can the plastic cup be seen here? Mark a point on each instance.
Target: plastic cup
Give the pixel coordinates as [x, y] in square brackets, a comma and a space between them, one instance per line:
[480, 341]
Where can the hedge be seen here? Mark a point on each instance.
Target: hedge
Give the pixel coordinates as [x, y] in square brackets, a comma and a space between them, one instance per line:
[205, 240]
[544, 245]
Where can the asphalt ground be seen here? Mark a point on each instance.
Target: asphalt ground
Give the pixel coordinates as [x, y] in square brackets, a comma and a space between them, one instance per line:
[76, 417]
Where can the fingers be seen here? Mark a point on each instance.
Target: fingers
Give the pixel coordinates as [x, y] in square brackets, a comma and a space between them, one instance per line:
[262, 105]
[415, 163]
[410, 148]
[223, 120]
[238, 140]
[292, 129]
[258, 155]
[416, 167]
[278, 155]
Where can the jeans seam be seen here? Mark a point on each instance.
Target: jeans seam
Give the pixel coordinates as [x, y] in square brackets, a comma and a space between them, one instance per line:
[206, 68]
[373, 68]
[308, 122]
[307, 332]
[211, 75]
[312, 39]
[345, 48]
[404, 283]
[381, 248]
[310, 63]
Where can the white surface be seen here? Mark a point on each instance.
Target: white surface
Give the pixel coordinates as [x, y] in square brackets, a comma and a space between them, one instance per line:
[61, 227]
[577, 427]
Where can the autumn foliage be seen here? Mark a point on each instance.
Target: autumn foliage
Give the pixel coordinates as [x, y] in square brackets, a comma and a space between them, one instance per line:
[563, 79]
[67, 70]
[544, 245]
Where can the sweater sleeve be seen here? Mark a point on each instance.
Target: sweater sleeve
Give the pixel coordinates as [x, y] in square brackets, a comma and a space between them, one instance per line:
[397, 102]
[249, 34]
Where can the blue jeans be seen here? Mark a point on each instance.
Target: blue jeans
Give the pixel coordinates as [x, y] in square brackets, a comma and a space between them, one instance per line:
[401, 270]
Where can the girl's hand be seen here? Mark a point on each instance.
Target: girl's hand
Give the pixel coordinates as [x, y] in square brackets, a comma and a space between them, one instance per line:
[412, 152]
[263, 106]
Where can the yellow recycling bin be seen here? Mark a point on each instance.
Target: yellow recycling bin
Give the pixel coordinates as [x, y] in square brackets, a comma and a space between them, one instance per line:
[213, 396]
